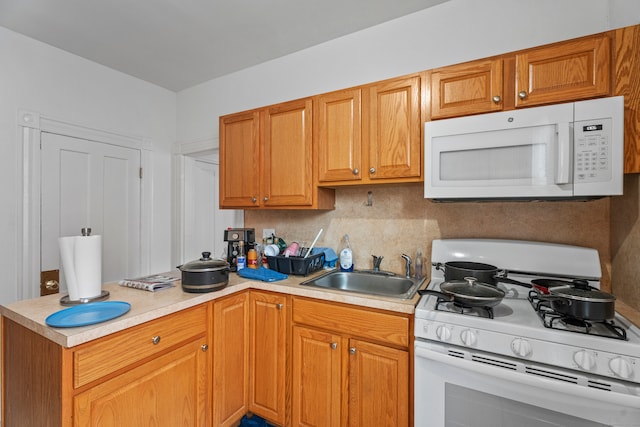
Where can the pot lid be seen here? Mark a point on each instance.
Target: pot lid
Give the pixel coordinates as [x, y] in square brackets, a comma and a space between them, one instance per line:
[580, 290]
[206, 263]
[471, 288]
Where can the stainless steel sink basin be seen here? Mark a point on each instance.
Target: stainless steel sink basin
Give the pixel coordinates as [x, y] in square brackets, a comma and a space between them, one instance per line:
[367, 283]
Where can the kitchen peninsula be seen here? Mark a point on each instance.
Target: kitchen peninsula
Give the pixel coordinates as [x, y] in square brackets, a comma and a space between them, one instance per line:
[176, 354]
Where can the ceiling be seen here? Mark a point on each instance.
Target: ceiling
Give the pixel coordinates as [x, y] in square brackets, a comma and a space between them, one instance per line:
[177, 44]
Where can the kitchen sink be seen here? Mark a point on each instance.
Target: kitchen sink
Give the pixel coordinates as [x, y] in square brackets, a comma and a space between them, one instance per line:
[367, 283]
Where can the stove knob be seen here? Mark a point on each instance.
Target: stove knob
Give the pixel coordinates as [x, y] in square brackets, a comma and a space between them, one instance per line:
[521, 347]
[621, 367]
[585, 359]
[443, 333]
[468, 337]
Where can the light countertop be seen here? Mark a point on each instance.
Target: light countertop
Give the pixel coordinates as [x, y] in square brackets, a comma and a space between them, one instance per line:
[146, 306]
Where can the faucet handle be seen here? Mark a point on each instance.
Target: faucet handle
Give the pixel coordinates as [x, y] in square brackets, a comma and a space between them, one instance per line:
[376, 261]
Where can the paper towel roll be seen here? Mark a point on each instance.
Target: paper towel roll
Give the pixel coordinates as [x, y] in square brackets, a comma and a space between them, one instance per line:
[82, 264]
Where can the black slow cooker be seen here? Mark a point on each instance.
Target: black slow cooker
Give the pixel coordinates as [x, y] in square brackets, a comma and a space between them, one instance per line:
[205, 274]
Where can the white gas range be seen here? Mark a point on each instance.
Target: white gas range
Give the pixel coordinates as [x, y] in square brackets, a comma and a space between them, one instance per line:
[515, 365]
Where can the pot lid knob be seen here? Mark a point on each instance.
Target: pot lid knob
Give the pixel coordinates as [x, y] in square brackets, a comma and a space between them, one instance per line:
[471, 280]
[206, 256]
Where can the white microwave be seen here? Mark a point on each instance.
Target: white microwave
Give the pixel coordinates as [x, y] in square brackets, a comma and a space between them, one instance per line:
[562, 151]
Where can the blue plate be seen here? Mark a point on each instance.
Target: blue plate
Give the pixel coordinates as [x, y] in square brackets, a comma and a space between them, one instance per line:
[87, 314]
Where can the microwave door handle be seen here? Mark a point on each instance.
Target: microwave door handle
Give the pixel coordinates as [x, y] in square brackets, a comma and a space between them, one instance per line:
[563, 159]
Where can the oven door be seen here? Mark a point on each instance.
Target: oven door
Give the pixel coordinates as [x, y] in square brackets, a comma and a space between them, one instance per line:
[457, 387]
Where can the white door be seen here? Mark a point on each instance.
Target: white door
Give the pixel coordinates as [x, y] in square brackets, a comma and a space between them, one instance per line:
[204, 221]
[91, 184]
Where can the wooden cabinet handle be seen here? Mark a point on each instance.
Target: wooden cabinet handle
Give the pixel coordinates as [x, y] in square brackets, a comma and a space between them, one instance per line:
[334, 345]
[279, 306]
[522, 95]
[496, 99]
[356, 171]
[265, 198]
[155, 340]
[352, 350]
[204, 347]
[372, 170]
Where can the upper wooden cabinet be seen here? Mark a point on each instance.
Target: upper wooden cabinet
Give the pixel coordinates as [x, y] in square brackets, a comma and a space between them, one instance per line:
[370, 134]
[560, 72]
[469, 88]
[266, 159]
[627, 64]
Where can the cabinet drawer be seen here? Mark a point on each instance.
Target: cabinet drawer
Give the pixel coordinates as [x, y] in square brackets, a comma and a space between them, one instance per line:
[375, 325]
[102, 357]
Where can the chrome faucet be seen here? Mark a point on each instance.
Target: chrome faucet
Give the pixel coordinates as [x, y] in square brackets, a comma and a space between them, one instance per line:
[407, 270]
[376, 262]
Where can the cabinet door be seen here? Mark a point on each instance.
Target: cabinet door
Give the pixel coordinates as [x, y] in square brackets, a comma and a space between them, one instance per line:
[339, 135]
[317, 378]
[170, 390]
[394, 129]
[470, 88]
[268, 355]
[287, 173]
[230, 359]
[378, 385]
[563, 72]
[239, 160]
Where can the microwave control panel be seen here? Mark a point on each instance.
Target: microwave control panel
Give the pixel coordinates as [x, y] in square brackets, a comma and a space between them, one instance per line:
[592, 150]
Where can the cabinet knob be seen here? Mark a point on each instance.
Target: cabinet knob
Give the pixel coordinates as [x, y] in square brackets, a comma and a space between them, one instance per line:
[352, 350]
[522, 95]
[372, 170]
[334, 345]
[51, 285]
[253, 200]
[356, 171]
[496, 99]
[265, 198]
[155, 340]
[279, 306]
[204, 347]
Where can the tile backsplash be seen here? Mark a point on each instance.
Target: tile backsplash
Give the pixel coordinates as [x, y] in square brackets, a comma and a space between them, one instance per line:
[400, 220]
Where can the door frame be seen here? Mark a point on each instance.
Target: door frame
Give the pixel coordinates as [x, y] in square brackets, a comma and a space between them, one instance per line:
[30, 127]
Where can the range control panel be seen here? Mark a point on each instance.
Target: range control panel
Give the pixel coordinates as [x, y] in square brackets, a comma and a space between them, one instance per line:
[592, 155]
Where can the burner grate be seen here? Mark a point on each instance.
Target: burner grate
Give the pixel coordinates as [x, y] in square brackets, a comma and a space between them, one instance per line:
[454, 307]
[560, 321]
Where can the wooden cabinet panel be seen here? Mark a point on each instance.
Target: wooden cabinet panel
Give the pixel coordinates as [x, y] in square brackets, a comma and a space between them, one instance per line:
[317, 378]
[170, 390]
[268, 355]
[379, 326]
[394, 129]
[627, 83]
[231, 359]
[287, 170]
[378, 385]
[338, 124]
[564, 72]
[469, 88]
[240, 159]
[99, 358]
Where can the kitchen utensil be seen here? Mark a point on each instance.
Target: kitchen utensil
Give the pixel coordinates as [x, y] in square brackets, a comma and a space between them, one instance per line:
[205, 274]
[485, 273]
[313, 243]
[581, 301]
[291, 250]
[468, 293]
[271, 250]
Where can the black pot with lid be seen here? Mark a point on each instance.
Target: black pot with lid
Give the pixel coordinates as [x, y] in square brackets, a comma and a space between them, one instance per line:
[205, 274]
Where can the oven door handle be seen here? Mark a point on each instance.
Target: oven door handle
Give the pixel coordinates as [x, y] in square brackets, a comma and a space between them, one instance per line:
[529, 379]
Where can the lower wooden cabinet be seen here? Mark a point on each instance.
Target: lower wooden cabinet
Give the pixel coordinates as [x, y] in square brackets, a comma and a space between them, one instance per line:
[350, 366]
[169, 390]
[268, 330]
[230, 359]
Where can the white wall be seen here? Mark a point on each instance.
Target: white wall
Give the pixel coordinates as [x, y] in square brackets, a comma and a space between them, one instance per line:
[452, 32]
[45, 80]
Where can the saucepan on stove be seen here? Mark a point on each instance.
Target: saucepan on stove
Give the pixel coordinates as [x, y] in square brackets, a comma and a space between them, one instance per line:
[468, 292]
[581, 301]
[487, 273]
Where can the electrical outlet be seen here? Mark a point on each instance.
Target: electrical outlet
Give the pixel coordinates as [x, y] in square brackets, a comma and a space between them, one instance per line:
[268, 232]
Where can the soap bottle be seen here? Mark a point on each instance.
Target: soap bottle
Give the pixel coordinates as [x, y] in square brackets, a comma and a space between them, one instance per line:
[418, 265]
[241, 261]
[346, 255]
